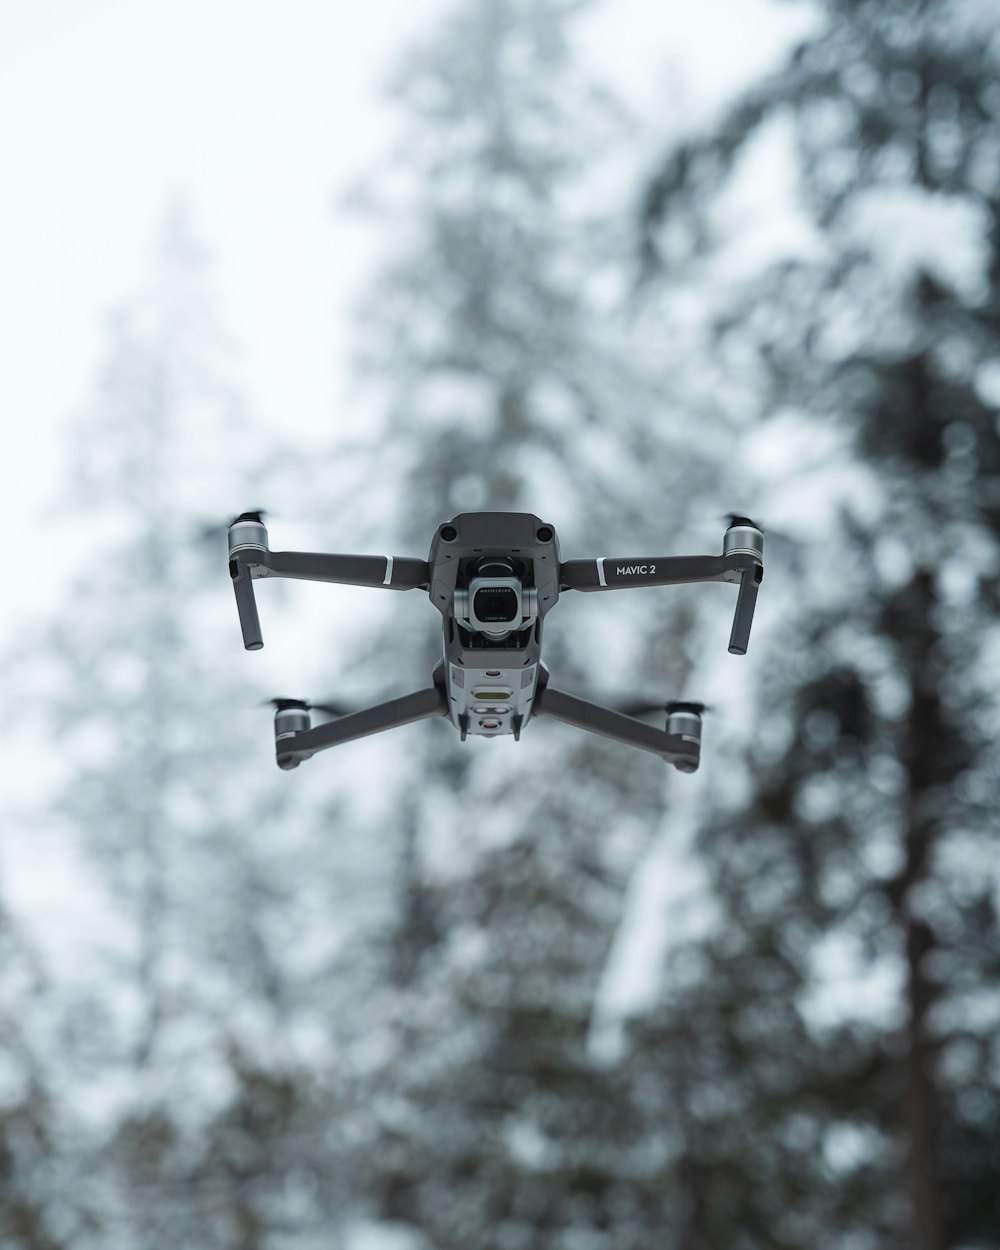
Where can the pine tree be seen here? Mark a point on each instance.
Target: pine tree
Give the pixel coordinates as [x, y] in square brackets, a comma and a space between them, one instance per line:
[166, 803]
[851, 856]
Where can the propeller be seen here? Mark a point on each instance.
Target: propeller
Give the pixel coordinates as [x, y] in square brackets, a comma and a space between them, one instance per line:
[644, 707]
[686, 705]
[282, 705]
[738, 518]
[210, 531]
[788, 551]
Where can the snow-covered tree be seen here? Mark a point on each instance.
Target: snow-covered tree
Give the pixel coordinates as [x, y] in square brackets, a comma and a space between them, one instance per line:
[196, 885]
[828, 1060]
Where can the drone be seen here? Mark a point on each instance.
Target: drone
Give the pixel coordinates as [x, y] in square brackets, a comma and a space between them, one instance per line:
[493, 576]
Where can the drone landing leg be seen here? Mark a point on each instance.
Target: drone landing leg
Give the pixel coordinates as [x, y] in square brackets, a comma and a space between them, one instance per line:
[673, 748]
[295, 747]
[246, 606]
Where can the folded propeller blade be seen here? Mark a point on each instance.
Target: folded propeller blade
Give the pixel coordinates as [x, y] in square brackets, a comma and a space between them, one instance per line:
[738, 518]
[210, 531]
[332, 709]
[645, 707]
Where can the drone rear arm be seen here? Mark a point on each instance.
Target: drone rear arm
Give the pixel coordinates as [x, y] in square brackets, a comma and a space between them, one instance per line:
[681, 751]
[296, 741]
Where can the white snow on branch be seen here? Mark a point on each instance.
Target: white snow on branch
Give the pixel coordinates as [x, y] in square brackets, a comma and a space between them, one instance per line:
[909, 230]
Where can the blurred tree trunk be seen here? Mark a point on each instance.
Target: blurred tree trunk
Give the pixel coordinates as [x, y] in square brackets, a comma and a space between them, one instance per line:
[36, 1198]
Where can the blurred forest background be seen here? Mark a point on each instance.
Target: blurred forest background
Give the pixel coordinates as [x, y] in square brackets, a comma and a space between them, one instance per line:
[420, 995]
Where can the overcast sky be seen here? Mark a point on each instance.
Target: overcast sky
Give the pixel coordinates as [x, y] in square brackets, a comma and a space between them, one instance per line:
[260, 115]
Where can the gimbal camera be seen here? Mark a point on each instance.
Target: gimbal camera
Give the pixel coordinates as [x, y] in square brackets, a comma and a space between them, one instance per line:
[493, 576]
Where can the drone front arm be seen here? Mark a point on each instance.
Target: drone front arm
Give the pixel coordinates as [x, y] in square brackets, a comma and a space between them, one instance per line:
[609, 573]
[613, 573]
[250, 558]
[387, 571]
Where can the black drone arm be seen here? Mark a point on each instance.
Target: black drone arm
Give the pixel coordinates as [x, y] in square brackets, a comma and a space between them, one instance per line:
[388, 571]
[682, 751]
[250, 558]
[613, 573]
[296, 740]
[620, 572]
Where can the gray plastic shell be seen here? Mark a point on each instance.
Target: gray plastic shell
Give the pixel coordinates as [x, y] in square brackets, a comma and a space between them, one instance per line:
[506, 669]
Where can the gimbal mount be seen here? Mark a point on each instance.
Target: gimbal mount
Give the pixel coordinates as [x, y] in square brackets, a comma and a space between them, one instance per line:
[493, 576]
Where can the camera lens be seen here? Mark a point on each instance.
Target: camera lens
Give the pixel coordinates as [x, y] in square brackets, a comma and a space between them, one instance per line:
[497, 604]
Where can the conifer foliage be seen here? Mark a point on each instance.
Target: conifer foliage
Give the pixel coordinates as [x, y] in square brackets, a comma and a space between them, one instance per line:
[163, 978]
[832, 1053]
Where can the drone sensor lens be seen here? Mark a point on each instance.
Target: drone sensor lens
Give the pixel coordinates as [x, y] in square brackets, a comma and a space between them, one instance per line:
[496, 604]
